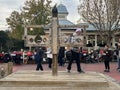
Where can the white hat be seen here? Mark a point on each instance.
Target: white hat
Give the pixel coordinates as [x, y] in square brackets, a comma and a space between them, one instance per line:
[78, 30]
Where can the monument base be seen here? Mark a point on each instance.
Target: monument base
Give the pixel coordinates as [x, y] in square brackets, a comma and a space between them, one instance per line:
[37, 80]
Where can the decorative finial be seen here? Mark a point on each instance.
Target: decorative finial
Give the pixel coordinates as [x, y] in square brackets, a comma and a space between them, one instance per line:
[54, 11]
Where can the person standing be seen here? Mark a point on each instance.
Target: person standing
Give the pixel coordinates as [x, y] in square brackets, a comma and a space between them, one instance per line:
[49, 57]
[118, 56]
[7, 58]
[107, 58]
[61, 56]
[39, 59]
[75, 55]
[68, 54]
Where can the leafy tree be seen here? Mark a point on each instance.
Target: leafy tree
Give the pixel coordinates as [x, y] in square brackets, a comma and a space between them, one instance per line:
[15, 23]
[36, 12]
[33, 12]
[3, 39]
[104, 15]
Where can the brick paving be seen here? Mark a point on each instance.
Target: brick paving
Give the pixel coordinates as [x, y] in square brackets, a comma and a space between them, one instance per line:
[96, 67]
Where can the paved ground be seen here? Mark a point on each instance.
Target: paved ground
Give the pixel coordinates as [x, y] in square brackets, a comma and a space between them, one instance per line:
[96, 67]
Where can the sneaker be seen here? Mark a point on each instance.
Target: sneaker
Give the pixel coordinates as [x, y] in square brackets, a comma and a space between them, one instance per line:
[68, 71]
[105, 70]
[81, 71]
[108, 71]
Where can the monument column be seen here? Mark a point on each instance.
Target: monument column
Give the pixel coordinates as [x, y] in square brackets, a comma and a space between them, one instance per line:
[113, 41]
[95, 41]
[25, 35]
[54, 34]
[86, 39]
[84, 36]
[25, 31]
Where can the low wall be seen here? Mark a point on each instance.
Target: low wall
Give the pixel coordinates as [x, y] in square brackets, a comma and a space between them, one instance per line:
[6, 69]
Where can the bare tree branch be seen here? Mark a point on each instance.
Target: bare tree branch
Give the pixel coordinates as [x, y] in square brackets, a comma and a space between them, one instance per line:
[104, 15]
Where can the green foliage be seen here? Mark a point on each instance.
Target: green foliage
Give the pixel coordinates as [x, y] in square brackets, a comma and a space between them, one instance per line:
[3, 37]
[33, 12]
[7, 43]
[36, 31]
[38, 38]
[15, 23]
[37, 11]
[17, 44]
[3, 40]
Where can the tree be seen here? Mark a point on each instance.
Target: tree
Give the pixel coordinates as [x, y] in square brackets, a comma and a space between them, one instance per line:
[33, 12]
[36, 12]
[3, 39]
[104, 15]
[15, 23]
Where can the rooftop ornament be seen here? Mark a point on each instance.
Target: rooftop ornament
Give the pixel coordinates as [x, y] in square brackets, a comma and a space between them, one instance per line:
[54, 11]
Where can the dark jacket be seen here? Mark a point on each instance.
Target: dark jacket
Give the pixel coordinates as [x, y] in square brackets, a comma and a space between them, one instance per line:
[117, 51]
[68, 55]
[7, 58]
[39, 55]
[107, 56]
[61, 53]
[75, 54]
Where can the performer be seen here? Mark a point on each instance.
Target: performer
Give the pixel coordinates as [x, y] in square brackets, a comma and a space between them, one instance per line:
[107, 59]
[39, 59]
[75, 54]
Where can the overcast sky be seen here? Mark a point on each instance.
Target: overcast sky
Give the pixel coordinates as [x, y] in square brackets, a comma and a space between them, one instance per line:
[8, 6]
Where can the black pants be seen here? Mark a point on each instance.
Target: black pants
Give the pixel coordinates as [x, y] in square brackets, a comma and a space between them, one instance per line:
[39, 66]
[77, 63]
[49, 62]
[107, 65]
[61, 61]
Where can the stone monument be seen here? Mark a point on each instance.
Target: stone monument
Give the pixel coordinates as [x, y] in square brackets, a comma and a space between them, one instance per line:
[54, 33]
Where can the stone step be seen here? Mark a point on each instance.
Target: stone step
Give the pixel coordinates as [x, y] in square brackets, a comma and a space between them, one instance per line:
[34, 80]
[45, 79]
[58, 88]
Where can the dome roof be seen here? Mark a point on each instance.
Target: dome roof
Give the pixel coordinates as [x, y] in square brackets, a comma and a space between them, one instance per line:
[62, 9]
[65, 22]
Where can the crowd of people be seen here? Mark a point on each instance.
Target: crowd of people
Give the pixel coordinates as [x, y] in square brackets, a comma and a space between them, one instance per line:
[67, 56]
[76, 55]
[17, 57]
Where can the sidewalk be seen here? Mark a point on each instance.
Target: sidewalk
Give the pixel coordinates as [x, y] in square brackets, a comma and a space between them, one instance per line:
[96, 67]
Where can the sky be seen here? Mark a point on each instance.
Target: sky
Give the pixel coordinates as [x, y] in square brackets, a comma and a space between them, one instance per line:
[8, 6]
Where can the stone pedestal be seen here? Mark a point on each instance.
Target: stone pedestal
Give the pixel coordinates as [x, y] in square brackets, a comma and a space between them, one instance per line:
[6, 69]
[10, 67]
[33, 80]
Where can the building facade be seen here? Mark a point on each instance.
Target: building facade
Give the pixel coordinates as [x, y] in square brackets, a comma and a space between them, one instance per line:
[67, 27]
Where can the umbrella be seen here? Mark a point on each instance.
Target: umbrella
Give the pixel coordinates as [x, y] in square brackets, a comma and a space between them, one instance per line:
[29, 53]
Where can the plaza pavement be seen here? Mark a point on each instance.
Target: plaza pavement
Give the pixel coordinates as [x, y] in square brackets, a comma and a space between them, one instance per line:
[96, 67]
